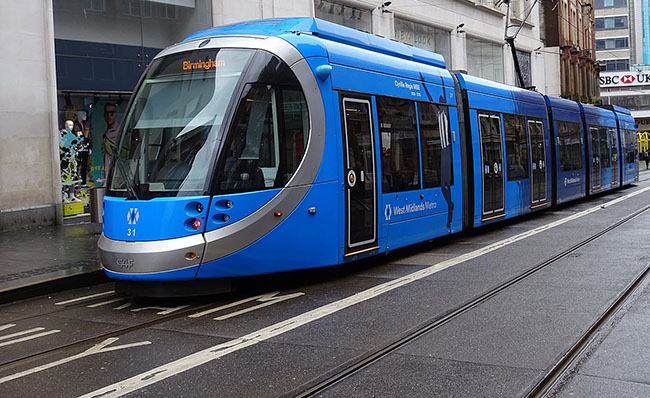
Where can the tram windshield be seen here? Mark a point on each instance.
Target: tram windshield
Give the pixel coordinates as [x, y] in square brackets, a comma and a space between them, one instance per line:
[172, 130]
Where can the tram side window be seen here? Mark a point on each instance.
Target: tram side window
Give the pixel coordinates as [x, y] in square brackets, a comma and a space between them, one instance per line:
[437, 162]
[631, 149]
[400, 160]
[516, 147]
[267, 139]
[604, 147]
[570, 146]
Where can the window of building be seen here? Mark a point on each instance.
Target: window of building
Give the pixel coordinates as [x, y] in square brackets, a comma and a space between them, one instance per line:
[485, 59]
[613, 65]
[436, 145]
[606, 23]
[615, 43]
[425, 37]
[524, 66]
[352, 17]
[599, 4]
[400, 160]
[570, 146]
[516, 147]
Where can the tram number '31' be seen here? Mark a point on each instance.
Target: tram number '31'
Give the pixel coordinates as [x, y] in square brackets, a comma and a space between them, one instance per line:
[130, 232]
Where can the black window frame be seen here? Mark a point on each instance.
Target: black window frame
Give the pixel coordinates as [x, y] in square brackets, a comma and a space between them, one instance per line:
[425, 161]
[513, 173]
[571, 165]
[399, 179]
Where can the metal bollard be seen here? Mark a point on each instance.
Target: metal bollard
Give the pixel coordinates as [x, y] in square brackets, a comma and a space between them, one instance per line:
[97, 204]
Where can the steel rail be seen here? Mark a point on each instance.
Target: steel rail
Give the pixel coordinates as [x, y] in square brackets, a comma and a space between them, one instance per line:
[354, 365]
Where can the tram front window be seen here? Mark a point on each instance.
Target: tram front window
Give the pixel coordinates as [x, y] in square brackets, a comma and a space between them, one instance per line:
[169, 142]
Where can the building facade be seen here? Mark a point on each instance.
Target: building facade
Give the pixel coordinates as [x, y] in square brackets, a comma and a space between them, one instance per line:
[569, 31]
[623, 50]
[74, 73]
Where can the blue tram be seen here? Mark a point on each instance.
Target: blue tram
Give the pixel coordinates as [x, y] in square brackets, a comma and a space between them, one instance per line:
[283, 144]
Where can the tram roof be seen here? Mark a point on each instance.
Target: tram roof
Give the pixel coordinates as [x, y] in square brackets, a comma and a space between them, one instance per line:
[483, 86]
[325, 30]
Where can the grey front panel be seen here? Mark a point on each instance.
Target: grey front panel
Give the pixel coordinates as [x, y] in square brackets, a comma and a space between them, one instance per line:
[154, 256]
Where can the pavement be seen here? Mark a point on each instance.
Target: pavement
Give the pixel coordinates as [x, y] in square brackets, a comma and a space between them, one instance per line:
[42, 260]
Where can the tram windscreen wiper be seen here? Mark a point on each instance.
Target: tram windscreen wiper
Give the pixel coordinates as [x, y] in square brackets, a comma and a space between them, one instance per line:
[132, 194]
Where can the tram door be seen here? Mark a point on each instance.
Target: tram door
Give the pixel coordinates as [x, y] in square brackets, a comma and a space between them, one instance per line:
[360, 176]
[615, 160]
[492, 161]
[537, 161]
[595, 158]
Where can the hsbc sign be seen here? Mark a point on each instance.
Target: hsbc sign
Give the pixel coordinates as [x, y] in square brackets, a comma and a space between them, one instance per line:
[622, 79]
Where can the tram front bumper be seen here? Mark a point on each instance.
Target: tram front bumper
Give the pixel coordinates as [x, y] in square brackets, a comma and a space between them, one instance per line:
[128, 259]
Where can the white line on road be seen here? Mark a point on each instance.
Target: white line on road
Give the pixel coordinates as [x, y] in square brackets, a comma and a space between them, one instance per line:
[106, 302]
[7, 326]
[96, 349]
[34, 336]
[92, 296]
[204, 356]
[28, 331]
[266, 301]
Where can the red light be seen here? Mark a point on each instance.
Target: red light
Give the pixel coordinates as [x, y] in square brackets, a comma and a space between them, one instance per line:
[278, 214]
[196, 223]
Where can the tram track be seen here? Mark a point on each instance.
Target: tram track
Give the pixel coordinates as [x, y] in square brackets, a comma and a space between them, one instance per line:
[543, 386]
[98, 338]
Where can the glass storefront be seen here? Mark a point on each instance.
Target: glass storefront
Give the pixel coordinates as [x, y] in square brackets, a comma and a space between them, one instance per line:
[102, 47]
[352, 17]
[424, 37]
[485, 59]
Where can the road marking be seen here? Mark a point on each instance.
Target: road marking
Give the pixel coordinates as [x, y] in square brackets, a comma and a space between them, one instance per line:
[92, 296]
[106, 302]
[8, 336]
[96, 349]
[210, 354]
[34, 336]
[163, 310]
[123, 306]
[267, 299]
[7, 326]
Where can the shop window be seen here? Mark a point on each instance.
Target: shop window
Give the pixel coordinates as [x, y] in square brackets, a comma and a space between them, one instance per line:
[516, 147]
[570, 146]
[437, 164]
[400, 160]
[425, 37]
[352, 17]
[485, 59]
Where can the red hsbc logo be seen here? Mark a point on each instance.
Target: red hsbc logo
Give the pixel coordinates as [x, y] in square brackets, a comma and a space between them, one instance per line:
[628, 79]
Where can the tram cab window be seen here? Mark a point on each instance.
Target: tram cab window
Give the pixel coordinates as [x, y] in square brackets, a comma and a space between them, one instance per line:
[266, 141]
[400, 160]
[269, 132]
[437, 164]
[570, 146]
[516, 147]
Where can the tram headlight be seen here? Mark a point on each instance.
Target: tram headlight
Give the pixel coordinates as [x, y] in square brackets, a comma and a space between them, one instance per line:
[199, 208]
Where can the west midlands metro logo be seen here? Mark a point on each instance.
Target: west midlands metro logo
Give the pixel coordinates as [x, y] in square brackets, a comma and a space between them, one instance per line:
[133, 215]
[387, 212]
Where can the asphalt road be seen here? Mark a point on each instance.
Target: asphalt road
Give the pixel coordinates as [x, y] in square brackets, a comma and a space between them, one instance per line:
[281, 333]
